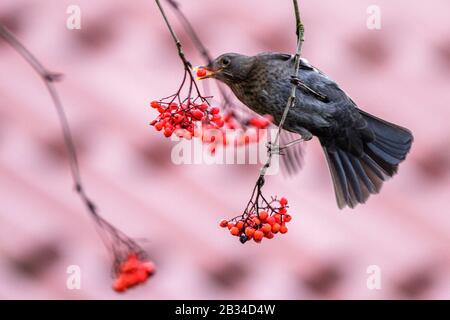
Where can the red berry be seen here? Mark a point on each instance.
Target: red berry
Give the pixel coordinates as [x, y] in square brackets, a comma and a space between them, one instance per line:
[282, 210]
[249, 232]
[131, 264]
[223, 223]
[266, 228]
[234, 231]
[277, 217]
[283, 201]
[119, 284]
[269, 235]
[256, 220]
[240, 225]
[197, 114]
[167, 115]
[258, 235]
[177, 118]
[219, 123]
[215, 110]
[276, 227]
[201, 72]
[168, 132]
[287, 218]
[154, 104]
[263, 215]
[283, 229]
[159, 126]
[203, 106]
[271, 221]
[230, 225]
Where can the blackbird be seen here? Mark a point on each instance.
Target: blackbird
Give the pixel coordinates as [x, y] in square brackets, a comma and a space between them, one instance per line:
[362, 150]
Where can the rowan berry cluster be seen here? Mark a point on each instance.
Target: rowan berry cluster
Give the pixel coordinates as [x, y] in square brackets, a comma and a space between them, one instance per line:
[181, 118]
[130, 263]
[260, 222]
[132, 271]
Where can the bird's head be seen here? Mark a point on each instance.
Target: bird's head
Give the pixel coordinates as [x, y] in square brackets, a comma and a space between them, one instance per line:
[229, 68]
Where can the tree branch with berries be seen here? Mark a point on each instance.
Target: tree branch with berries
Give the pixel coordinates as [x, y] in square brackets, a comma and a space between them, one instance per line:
[188, 112]
[262, 217]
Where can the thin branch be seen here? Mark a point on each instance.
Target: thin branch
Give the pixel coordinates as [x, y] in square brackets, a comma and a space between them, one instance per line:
[300, 30]
[191, 31]
[198, 44]
[49, 78]
[186, 63]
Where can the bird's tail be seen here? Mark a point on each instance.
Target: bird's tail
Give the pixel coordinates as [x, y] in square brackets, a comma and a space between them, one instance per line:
[356, 178]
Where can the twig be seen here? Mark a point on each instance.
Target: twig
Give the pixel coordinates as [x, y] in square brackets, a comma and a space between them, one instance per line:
[191, 31]
[198, 44]
[49, 78]
[291, 100]
[186, 63]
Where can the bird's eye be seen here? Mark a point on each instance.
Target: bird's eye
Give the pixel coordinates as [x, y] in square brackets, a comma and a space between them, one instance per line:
[225, 62]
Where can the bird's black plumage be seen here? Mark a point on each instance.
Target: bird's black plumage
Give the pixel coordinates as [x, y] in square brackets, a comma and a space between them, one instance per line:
[362, 151]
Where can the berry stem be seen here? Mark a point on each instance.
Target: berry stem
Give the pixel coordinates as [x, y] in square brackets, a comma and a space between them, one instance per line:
[186, 63]
[204, 52]
[49, 78]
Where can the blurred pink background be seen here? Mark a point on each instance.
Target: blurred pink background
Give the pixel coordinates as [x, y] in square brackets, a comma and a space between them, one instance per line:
[122, 58]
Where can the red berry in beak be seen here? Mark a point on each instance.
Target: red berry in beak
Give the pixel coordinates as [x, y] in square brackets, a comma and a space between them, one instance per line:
[201, 72]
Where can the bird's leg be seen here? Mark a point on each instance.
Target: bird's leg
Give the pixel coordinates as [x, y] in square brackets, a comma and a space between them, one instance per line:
[288, 145]
[292, 143]
[279, 149]
[296, 81]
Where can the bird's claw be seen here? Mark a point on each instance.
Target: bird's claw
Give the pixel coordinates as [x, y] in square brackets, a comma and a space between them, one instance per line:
[272, 150]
